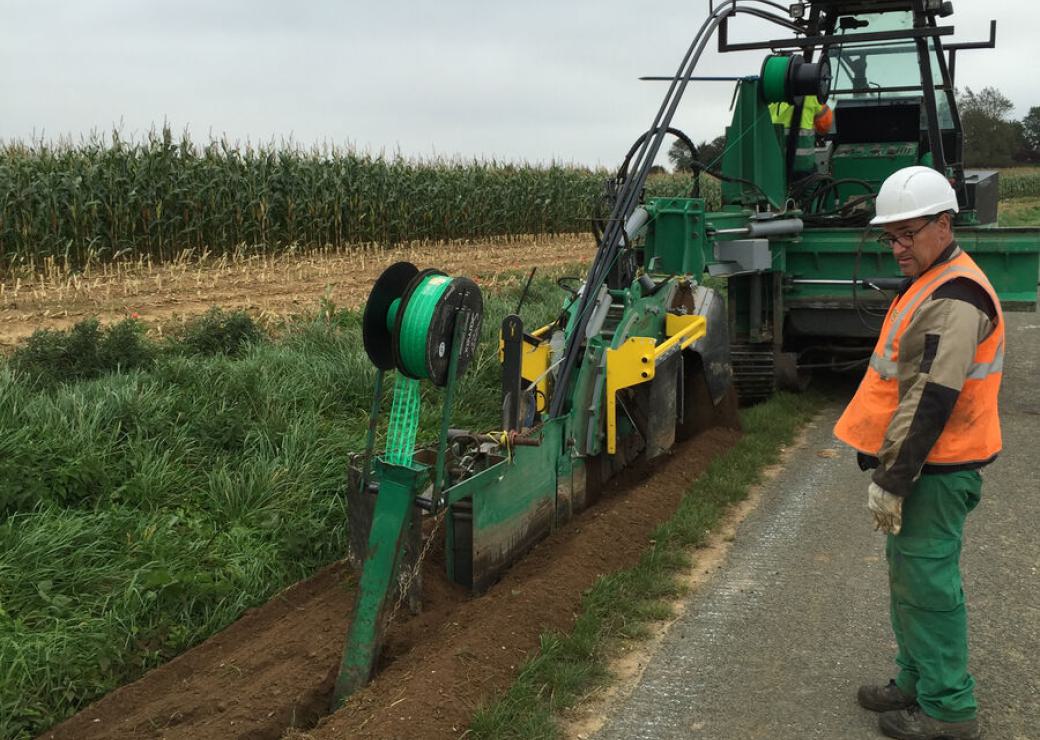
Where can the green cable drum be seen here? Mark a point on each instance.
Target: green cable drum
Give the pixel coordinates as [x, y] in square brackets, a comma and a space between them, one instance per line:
[774, 78]
[409, 324]
[409, 321]
[788, 78]
[424, 325]
[415, 323]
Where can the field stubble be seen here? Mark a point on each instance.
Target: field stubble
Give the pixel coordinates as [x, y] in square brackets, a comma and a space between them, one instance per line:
[267, 285]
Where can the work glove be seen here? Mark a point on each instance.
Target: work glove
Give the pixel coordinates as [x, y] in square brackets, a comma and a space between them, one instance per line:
[887, 509]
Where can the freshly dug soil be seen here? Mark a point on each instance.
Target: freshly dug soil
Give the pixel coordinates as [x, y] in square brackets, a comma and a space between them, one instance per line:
[274, 669]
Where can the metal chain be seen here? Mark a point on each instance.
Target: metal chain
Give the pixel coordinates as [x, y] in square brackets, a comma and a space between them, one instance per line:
[406, 582]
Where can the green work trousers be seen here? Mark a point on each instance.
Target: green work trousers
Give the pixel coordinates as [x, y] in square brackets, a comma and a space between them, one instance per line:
[926, 597]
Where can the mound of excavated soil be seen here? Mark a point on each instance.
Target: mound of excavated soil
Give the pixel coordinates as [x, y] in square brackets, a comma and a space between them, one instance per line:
[274, 668]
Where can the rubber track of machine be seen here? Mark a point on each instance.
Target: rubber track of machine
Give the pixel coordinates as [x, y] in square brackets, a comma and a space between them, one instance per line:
[754, 372]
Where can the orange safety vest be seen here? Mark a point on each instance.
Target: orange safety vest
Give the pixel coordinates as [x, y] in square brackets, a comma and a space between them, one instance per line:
[972, 433]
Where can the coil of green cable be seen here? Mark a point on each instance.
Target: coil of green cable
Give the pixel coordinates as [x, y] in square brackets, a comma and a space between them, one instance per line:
[424, 321]
[774, 78]
[415, 324]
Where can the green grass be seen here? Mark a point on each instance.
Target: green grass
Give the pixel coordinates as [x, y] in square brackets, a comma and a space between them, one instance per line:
[1022, 212]
[144, 510]
[621, 605]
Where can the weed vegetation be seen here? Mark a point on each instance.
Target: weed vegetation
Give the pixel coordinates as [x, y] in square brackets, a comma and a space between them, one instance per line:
[84, 352]
[154, 490]
[1023, 212]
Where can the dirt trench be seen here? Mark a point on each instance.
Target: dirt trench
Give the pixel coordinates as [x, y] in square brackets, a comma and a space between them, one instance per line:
[273, 670]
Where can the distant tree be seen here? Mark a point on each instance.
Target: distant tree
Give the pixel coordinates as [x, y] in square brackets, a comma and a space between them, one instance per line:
[680, 156]
[1030, 132]
[989, 101]
[708, 152]
[990, 139]
[658, 170]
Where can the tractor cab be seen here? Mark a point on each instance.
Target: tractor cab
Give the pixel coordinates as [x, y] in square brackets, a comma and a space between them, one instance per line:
[884, 108]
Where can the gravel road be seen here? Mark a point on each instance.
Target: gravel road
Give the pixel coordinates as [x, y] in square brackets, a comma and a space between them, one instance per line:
[775, 644]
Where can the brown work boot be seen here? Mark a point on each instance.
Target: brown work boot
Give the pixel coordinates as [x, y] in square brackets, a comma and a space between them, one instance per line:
[884, 698]
[913, 724]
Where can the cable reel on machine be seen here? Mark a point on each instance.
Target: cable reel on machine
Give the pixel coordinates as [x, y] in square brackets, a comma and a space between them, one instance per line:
[789, 78]
[426, 326]
[409, 322]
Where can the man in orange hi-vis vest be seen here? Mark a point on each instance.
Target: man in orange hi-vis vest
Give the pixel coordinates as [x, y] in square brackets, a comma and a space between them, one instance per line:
[925, 421]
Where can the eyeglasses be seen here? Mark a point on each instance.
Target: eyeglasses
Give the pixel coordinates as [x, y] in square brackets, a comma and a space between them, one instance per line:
[907, 237]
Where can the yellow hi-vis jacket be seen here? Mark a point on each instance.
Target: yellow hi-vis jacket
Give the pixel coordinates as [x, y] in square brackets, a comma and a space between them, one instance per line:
[813, 113]
[812, 108]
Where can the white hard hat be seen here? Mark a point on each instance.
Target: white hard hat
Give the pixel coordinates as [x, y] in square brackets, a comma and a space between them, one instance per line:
[913, 192]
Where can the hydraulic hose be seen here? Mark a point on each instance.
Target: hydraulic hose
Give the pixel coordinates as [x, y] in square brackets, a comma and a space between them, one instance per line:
[628, 197]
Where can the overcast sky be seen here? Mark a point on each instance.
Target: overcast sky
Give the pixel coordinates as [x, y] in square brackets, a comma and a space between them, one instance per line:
[532, 80]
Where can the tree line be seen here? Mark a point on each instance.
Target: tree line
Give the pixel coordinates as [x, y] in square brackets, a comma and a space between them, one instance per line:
[992, 138]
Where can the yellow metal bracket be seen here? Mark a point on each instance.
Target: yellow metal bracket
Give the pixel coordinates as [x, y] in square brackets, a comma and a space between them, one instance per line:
[682, 330]
[534, 362]
[635, 361]
[533, 365]
[630, 364]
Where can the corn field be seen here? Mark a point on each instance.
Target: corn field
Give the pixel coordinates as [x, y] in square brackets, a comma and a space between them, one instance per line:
[100, 200]
[1024, 185]
[160, 198]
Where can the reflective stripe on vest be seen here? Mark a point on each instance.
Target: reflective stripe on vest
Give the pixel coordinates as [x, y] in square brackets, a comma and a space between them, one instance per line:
[972, 433]
[947, 274]
[980, 370]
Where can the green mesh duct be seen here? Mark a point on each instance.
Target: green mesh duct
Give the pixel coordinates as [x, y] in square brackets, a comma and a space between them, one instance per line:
[404, 421]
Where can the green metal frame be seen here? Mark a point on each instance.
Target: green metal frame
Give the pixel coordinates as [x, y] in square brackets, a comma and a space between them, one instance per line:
[1009, 257]
[754, 152]
[398, 487]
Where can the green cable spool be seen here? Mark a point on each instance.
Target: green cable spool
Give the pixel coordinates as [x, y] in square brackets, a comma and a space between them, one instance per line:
[415, 323]
[409, 322]
[788, 79]
[774, 78]
[391, 314]
[424, 325]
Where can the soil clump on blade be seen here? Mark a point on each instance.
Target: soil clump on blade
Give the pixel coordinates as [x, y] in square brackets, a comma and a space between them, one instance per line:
[274, 669]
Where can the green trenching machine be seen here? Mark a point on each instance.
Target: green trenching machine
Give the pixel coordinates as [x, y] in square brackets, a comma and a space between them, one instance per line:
[817, 297]
[643, 353]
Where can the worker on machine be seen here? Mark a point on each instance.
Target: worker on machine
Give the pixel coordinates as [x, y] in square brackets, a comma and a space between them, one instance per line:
[816, 120]
[925, 420]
